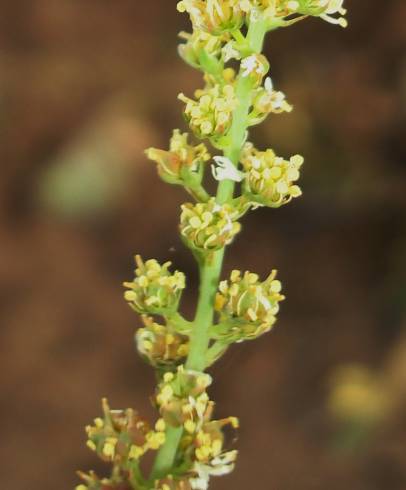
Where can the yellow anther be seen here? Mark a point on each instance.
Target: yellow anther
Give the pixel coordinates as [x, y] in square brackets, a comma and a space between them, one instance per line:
[91, 445]
[135, 452]
[160, 425]
[168, 377]
[109, 447]
[99, 423]
[190, 426]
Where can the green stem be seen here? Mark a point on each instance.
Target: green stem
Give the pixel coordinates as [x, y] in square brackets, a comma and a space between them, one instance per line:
[210, 270]
[215, 351]
[199, 193]
[166, 455]
[210, 267]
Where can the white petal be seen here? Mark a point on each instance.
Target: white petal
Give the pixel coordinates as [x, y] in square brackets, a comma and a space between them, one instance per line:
[226, 170]
[268, 84]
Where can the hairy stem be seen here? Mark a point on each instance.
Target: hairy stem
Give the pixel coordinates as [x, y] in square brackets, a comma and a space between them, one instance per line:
[210, 267]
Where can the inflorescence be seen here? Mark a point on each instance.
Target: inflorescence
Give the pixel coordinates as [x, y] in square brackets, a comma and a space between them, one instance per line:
[192, 446]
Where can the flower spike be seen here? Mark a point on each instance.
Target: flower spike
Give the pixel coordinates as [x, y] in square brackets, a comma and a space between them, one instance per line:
[191, 445]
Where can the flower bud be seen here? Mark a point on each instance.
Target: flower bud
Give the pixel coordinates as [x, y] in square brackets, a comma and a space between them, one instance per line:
[161, 345]
[181, 397]
[325, 9]
[269, 179]
[209, 456]
[265, 101]
[255, 67]
[123, 435]
[172, 483]
[213, 16]
[208, 226]
[93, 482]
[210, 116]
[273, 11]
[201, 44]
[286, 12]
[182, 162]
[204, 448]
[154, 290]
[247, 308]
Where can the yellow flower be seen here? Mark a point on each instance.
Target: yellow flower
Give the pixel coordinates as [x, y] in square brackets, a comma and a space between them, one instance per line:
[154, 290]
[213, 16]
[208, 226]
[267, 100]
[210, 115]
[269, 179]
[161, 345]
[325, 9]
[246, 306]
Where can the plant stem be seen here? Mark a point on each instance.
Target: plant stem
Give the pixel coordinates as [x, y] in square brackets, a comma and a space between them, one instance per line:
[210, 267]
[210, 270]
[166, 455]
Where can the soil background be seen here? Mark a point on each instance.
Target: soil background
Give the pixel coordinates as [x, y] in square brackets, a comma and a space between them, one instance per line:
[85, 87]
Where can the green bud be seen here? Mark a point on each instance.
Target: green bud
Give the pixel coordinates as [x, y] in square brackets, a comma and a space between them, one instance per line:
[182, 163]
[202, 50]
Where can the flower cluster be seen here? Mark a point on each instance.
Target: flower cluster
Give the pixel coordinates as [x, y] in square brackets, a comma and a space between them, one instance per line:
[269, 179]
[121, 437]
[183, 401]
[192, 445]
[119, 481]
[219, 16]
[325, 9]
[200, 47]
[172, 483]
[160, 345]
[208, 226]
[154, 290]
[182, 398]
[214, 16]
[182, 163]
[266, 100]
[210, 115]
[247, 307]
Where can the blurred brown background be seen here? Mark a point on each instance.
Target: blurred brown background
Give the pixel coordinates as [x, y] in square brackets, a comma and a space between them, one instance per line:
[85, 86]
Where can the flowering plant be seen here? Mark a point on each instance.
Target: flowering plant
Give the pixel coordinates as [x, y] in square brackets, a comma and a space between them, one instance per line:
[190, 443]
